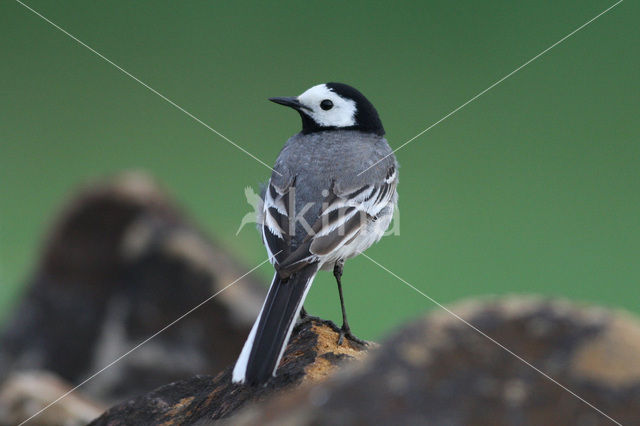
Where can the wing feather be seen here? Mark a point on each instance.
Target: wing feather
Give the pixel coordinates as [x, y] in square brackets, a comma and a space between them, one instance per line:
[344, 215]
[276, 226]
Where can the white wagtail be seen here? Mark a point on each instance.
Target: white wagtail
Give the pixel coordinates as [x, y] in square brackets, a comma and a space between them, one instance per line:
[319, 210]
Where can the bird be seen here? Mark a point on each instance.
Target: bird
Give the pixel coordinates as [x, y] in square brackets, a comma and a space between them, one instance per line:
[331, 196]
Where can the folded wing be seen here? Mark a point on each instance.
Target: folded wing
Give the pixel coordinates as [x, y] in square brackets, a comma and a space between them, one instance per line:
[344, 214]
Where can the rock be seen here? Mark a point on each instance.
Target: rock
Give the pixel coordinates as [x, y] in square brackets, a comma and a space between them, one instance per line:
[311, 356]
[120, 264]
[440, 371]
[26, 393]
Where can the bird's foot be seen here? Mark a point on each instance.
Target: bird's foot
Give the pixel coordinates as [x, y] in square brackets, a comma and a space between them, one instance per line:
[346, 332]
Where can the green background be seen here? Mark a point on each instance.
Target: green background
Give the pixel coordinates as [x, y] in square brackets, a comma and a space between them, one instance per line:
[532, 188]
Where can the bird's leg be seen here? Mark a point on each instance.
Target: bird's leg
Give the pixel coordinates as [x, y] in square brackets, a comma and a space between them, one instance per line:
[345, 330]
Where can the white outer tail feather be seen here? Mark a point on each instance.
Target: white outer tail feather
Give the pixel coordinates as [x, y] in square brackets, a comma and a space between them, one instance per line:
[240, 369]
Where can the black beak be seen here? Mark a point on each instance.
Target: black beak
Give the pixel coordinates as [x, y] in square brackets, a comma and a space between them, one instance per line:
[290, 102]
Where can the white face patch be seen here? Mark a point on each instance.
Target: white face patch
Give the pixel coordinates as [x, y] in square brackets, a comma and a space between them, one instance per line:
[341, 114]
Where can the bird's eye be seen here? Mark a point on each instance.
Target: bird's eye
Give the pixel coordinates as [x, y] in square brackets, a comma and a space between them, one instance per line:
[326, 105]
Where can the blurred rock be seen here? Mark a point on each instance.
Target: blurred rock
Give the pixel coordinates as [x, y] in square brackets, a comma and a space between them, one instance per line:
[120, 264]
[440, 371]
[24, 394]
[311, 356]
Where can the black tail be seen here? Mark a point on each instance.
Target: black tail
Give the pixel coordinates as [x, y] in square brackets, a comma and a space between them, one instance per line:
[270, 333]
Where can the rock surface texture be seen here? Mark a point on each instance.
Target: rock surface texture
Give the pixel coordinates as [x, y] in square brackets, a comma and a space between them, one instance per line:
[312, 355]
[440, 371]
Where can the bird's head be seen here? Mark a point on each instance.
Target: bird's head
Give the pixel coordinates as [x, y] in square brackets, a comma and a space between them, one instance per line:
[333, 106]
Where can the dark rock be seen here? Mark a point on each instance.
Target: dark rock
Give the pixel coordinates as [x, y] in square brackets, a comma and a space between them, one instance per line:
[440, 371]
[311, 356]
[120, 264]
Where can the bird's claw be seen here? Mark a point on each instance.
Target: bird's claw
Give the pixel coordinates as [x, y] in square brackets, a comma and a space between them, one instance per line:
[346, 332]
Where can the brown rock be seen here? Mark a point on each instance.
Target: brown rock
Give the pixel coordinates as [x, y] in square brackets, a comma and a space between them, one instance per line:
[24, 394]
[440, 371]
[121, 263]
[311, 356]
